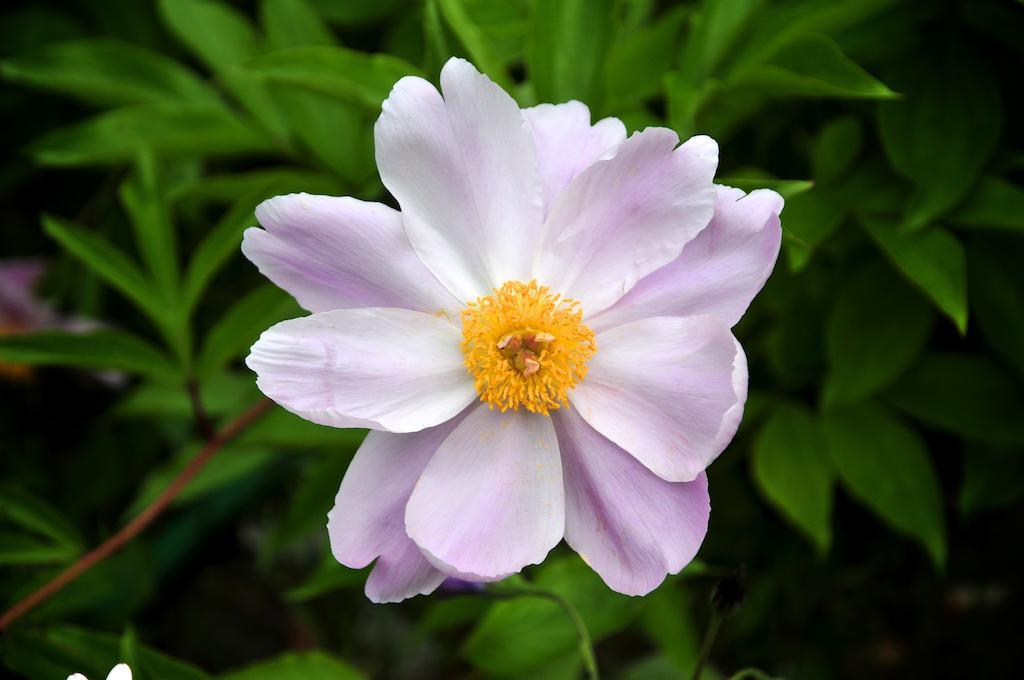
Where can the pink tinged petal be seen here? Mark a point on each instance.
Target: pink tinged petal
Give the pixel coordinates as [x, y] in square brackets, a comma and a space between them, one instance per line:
[20, 308]
[719, 272]
[386, 369]
[464, 170]
[401, 573]
[567, 143]
[490, 501]
[665, 390]
[731, 419]
[626, 216]
[632, 527]
[367, 522]
[335, 253]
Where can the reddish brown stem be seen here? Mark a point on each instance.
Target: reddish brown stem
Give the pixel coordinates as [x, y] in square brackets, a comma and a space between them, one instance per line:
[141, 521]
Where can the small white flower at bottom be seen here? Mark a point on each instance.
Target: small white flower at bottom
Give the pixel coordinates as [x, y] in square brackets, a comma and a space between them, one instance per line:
[118, 672]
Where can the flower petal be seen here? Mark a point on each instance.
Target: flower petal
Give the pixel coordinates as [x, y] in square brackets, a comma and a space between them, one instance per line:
[464, 170]
[367, 522]
[626, 216]
[632, 527]
[491, 500]
[567, 143]
[662, 389]
[386, 369]
[20, 308]
[402, 572]
[719, 272]
[334, 253]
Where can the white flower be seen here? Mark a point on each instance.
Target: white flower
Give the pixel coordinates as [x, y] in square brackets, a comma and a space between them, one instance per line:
[118, 672]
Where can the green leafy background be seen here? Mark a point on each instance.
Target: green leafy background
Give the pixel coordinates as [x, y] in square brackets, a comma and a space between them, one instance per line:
[872, 495]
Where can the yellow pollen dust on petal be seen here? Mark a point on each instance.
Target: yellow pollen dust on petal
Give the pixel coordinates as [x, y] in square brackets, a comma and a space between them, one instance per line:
[525, 347]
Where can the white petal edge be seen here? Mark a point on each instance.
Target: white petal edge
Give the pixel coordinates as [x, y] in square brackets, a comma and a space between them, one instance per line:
[396, 370]
[567, 144]
[463, 169]
[333, 252]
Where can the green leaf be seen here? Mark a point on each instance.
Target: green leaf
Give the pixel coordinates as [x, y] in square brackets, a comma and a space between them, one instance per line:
[637, 63]
[225, 189]
[222, 37]
[945, 129]
[21, 549]
[282, 429]
[997, 286]
[780, 24]
[884, 465]
[106, 260]
[218, 34]
[356, 77]
[357, 13]
[519, 635]
[877, 327]
[153, 225]
[217, 247]
[315, 665]
[222, 394]
[19, 507]
[811, 217]
[336, 133]
[476, 42]
[966, 394]
[231, 464]
[811, 66]
[103, 349]
[668, 621]
[290, 23]
[108, 72]
[116, 136]
[995, 203]
[792, 468]
[310, 501]
[60, 650]
[714, 30]
[836, 148]
[991, 479]
[239, 328]
[933, 260]
[567, 49]
[42, 535]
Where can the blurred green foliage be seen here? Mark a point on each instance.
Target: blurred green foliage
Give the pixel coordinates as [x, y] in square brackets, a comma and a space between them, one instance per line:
[873, 493]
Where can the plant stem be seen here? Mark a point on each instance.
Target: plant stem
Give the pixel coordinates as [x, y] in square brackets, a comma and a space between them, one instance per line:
[586, 645]
[202, 419]
[141, 521]
[709, 640]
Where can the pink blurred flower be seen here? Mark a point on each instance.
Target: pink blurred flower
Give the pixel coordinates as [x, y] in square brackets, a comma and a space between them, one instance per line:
[587, 281]
[20, 310]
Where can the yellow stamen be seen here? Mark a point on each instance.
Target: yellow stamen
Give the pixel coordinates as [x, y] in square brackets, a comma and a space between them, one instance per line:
[525, 347]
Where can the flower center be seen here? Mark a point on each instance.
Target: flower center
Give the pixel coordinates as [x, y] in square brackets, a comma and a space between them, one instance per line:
[525, 347]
